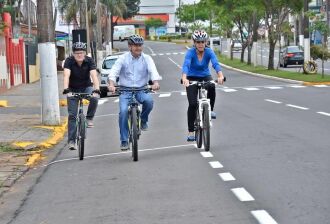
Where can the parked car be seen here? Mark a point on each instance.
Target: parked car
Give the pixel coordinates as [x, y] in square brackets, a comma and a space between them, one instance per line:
[291, 55]
[107, 64]
[237, 45]
[215, 40]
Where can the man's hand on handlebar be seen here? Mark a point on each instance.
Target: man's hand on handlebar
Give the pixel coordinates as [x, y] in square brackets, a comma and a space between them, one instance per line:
[66, 91]
[155, 86]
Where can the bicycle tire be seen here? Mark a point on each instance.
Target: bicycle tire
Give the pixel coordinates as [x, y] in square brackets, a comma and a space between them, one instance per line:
[198, 131]
[135, 134]
[81, 136]
[206, 127]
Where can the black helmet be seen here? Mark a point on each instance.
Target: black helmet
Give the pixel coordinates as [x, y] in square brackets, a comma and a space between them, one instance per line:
[79, 46]
[135, 39]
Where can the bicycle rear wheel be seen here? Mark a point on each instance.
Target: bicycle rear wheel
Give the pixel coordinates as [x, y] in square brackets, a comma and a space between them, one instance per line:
[135, 134]
[198, 131]
[81, 136]
[206, 127]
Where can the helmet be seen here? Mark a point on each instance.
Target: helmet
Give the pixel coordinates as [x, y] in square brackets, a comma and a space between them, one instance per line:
[135, 39]
[79, 46]
[199, 35]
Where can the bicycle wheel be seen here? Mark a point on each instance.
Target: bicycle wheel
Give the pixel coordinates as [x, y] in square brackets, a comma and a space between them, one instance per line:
[198, 131]
[134, 132]
[206, 127]
[81, 136]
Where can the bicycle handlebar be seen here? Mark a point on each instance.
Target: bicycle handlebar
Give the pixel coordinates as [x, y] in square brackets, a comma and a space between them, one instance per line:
[80, 95]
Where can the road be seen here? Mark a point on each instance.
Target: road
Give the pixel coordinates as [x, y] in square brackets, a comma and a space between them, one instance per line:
[263, 54]
[268, 163]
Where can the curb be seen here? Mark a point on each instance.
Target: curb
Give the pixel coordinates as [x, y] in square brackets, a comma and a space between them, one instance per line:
[3, 103]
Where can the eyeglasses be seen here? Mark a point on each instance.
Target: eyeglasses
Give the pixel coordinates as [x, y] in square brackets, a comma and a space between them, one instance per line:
[200, 42]
[78, 52]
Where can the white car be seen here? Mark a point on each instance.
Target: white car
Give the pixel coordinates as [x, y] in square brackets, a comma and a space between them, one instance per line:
[107, 64]
[237, 45]
[215, 40]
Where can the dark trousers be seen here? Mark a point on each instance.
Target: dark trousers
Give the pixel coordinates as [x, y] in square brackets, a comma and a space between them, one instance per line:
[192, 93]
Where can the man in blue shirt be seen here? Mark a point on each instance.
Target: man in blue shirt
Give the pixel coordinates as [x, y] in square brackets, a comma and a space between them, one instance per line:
[134, 69]
[196, 68]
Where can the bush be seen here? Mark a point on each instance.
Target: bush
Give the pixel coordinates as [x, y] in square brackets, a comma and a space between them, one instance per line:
[319, 52]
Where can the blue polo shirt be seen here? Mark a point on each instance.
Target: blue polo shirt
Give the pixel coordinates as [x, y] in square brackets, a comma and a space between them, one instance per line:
[195, 68]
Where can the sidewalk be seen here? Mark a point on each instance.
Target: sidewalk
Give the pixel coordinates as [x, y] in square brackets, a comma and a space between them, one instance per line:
[22, 136]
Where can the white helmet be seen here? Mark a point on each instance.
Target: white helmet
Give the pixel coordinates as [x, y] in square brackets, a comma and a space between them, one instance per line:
[199, 35]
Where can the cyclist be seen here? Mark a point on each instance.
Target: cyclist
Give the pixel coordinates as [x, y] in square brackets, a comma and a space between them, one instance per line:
[79, 69]
[196, 68]
[134, 69]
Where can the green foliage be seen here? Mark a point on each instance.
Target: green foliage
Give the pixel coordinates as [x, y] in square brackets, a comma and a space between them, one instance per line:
[319, 52]
[154, 22]
[132, 8]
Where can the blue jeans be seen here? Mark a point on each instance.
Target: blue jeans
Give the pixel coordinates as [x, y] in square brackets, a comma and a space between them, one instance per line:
[147, 104]
[73, 110]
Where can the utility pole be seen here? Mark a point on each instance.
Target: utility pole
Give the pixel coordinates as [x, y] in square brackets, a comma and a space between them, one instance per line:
[48, 71]
[99, 52]
[29, 17]
[306, 33]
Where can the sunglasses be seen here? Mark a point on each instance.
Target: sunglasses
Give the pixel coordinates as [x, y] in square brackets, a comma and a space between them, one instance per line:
[200, 42]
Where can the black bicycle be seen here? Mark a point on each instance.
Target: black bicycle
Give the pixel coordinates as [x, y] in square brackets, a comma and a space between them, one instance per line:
[81, 124]
[134, 119]
[203, 114]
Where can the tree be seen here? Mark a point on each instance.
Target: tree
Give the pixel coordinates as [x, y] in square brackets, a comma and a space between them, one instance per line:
[45, 21]
[152, 22]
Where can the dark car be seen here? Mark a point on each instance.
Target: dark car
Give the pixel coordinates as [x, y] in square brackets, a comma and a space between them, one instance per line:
[291, 55]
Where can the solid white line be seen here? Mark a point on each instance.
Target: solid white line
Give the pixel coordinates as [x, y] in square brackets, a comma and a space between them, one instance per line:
[263, 217]
[118, 153]
[297, 107]
[152, 52]
[273, 101]
[226, 176]
[174, 62]
[229, 90]
[273, 87]
[251, 88]
[216, 164]
[206, 154]
[165, 95]
[324, 113]
[242, 194]
[105, 115]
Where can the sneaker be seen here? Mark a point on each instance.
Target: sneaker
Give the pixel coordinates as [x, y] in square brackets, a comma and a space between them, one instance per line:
[124, 146]
[144, 126]
[191, 137]
[90, 123]
[72, 145]
[213, 115]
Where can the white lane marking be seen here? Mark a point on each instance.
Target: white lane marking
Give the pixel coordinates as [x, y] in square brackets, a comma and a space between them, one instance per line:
[226, 176]
[273, 87]
[320, 86]
[251, 88]
[324, 113]
[183, 93]
[297, 86]
[229, 90]
[160, 54]
[216, 164]
[152, 52]
[273, 101]
[168, 53]
[116, 101]
[242, 194]
[263, 217]
[102, 101]
[105, 115]
[165, 95]
[175, 62]
[175, 53]
[182, 52]
[119, 153]
[206, 154]
[297, 107]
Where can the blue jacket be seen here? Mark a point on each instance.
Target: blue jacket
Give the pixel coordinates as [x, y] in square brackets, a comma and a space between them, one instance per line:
[195, 68]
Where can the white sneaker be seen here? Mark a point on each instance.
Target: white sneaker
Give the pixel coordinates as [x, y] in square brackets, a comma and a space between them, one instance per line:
[72, 145]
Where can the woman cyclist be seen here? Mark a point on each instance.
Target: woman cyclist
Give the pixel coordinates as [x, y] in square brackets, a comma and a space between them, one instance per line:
[196, 68]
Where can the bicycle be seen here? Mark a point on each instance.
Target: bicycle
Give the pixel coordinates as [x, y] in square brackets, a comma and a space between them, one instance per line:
[203, 115]
[134, 119]
[81, 124]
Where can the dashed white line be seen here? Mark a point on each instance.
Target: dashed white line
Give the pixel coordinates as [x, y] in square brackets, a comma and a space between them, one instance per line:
[182, 53]
[273, 101]
[226, 176]
[160, 54]
[102, 101]
[324, 113]
[263, 217]
[165, 95]
[242, 194]
[216, 164]
[183, 93]
[297, 107]
[116, 101]
[175, 53]
[206, 154]
[320, 86]
[274, 87]
[296, 86]
[229, 90]
[168, 53]
[251, 88]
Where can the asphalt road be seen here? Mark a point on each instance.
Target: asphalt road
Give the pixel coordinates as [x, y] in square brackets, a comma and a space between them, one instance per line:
[268, 163]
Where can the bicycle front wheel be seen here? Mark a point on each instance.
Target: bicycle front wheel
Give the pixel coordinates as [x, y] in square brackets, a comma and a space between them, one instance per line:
[206, 127]
[198, 131]
[81, 136]
[134, 134]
